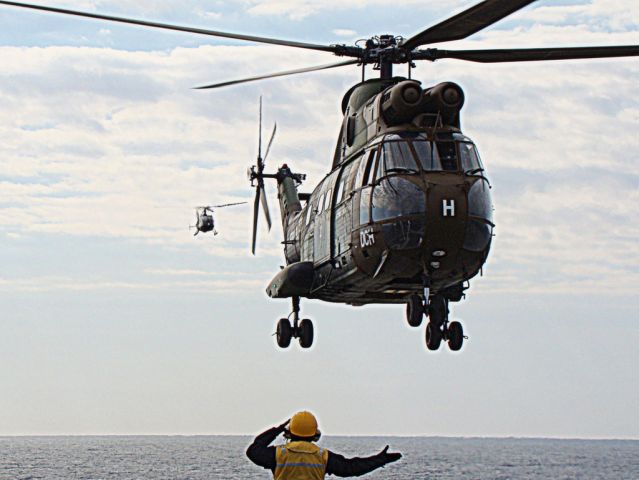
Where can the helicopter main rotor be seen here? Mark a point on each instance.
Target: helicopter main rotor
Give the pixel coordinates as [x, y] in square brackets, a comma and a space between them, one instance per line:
[384, 51]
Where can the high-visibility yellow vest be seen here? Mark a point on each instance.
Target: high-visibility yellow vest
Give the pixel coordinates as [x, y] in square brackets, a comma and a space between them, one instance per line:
[300, 461]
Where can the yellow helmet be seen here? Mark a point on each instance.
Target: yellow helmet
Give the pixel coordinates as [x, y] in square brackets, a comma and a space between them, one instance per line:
[303, 424]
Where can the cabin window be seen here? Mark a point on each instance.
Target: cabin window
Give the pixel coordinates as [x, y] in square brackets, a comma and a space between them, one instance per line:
[395, 157]
[320, 203]
[310, 208]
[395, 197]
[327, 199]
[341, 184]
[364, 206]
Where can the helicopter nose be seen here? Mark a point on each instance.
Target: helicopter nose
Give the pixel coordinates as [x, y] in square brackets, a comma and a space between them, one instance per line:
[446, 214]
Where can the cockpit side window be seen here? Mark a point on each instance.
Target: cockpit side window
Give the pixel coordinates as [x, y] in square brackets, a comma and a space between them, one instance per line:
[364, 170]
[470, 162]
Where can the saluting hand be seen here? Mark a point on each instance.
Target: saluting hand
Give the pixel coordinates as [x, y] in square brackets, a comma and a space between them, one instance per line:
[389, 457]
[282, 427]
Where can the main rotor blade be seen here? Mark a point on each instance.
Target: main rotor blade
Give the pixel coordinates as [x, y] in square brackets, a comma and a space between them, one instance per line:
[256, 211]
[166, 26]
[227, 205]
[270, 142]
[529, 54]
[467, 22]
[280, 74]
[264, 203]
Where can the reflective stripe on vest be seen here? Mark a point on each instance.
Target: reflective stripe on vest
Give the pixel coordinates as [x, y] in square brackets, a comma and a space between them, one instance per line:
[300, 461]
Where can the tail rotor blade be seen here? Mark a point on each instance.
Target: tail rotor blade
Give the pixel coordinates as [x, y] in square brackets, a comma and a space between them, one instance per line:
[270, 142]
[259, 143]
[256, 211]
[262, 193]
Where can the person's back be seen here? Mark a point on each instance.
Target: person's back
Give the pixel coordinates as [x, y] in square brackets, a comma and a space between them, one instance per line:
[301, 459]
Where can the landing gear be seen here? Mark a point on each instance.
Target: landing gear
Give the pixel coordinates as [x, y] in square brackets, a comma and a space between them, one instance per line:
[455, 336]
[433, 336]
[414, 310]
[305, 333]
[438, 327]
[284, 333]
[303, 330]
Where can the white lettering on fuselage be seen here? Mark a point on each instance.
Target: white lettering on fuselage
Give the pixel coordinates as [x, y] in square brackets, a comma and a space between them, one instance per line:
[366, 238]
[448, 208]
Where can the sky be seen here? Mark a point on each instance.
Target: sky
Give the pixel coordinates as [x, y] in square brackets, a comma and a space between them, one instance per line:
[114, 319]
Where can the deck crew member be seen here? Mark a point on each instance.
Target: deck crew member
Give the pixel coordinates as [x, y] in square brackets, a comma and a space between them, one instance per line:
[301, 459]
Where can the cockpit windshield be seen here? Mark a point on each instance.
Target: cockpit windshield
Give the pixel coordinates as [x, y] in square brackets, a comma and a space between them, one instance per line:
[396, 157]
[411, 152]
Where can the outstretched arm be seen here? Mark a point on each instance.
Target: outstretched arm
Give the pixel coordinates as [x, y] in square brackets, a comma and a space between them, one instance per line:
[259, 452]
[354, 467]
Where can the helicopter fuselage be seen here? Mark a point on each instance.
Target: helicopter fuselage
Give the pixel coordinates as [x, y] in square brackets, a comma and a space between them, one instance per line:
[407, 203]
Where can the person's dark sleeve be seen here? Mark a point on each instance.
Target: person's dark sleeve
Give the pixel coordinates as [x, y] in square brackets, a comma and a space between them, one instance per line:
[259, 451]
[352, 467]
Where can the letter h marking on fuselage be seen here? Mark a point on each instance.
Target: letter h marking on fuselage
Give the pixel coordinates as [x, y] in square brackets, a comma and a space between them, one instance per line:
[448, 208]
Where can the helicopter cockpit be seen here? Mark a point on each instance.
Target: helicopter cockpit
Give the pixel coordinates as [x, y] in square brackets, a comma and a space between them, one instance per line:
[391, 196]
[410, 152]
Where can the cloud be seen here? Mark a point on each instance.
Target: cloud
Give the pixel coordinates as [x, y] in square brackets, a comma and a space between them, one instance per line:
[298, 10]
[69, 284]
[344, 32]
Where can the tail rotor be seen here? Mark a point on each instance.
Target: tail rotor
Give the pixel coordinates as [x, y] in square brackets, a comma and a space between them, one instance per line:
[256, 174]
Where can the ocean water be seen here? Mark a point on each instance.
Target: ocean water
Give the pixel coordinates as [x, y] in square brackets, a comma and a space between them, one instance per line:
[222, 457]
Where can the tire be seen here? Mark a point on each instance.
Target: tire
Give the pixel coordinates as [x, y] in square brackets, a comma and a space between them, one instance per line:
[284, 333]
[306, 333]
[438, 310]
[455, 336]
[433, 336]
[414, 311]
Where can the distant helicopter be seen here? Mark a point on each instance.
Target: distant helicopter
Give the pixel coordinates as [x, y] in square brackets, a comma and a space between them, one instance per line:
[204, 221]
[404, 214]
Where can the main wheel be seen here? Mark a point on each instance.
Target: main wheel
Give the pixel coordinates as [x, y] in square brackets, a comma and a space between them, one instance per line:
[284, 333]
[438, 310]
[306, 333]
[433, 336]
[455, 336]
[414, 311]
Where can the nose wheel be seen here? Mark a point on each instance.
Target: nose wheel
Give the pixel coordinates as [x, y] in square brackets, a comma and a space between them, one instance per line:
[438, 328]
[302, 330]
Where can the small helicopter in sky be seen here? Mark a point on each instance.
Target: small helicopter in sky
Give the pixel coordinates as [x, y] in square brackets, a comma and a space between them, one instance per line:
[404, 215]
[204, 218]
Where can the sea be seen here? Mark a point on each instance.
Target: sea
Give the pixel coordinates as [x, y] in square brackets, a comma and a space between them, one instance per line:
[222, 457]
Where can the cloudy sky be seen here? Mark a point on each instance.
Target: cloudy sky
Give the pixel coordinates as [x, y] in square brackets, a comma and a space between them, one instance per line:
[115, 319]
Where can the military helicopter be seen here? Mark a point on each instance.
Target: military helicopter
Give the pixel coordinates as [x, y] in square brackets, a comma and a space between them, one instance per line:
[404, 215]
[204, 218]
